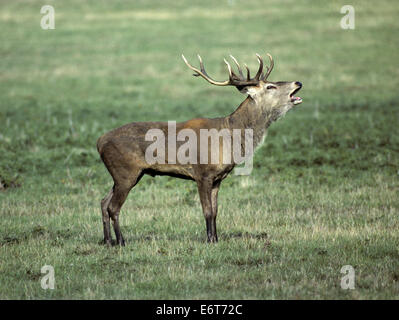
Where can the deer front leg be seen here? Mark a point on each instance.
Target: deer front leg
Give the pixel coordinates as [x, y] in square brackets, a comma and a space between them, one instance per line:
[214, 201]
[205, 193]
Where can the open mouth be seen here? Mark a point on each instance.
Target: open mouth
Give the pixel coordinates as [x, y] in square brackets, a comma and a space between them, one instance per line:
[295, 100]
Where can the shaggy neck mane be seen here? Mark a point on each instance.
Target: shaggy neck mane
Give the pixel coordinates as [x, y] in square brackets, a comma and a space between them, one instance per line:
[252, 113]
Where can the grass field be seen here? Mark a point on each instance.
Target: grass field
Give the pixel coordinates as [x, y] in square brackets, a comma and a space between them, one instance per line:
[323, 192]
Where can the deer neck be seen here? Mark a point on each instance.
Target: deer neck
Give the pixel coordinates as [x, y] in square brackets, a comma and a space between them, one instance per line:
[252, 114]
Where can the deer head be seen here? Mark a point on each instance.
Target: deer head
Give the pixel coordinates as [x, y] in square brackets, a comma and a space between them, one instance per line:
[275, 97]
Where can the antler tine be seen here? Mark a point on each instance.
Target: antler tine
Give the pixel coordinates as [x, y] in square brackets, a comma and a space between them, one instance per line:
[203, 73]
[260, 67]
[238, 66]
[248, 72]
[231, 73]
[190, 66]
[269, 69]
[201, 65]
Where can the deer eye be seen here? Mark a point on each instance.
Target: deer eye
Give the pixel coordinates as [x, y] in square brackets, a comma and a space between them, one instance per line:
[271, 87]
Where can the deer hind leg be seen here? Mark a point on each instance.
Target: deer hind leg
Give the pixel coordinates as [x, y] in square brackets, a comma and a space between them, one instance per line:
[120, 193]
[205, 193]
[104, 209]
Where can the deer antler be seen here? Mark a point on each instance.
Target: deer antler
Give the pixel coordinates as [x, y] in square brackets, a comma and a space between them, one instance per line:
[234, 80]
[269, 69]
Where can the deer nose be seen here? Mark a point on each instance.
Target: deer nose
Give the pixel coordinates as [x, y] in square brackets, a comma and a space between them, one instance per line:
[298, 84]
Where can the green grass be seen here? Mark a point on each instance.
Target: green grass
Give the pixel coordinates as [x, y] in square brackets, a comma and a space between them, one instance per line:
[323, 192]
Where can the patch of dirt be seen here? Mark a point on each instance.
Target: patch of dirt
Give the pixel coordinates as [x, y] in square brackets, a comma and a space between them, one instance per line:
[33, 275]
[9, 240]
[8, 183]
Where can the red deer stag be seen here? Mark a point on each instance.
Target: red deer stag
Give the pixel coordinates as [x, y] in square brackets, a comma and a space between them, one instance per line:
[123, 150]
